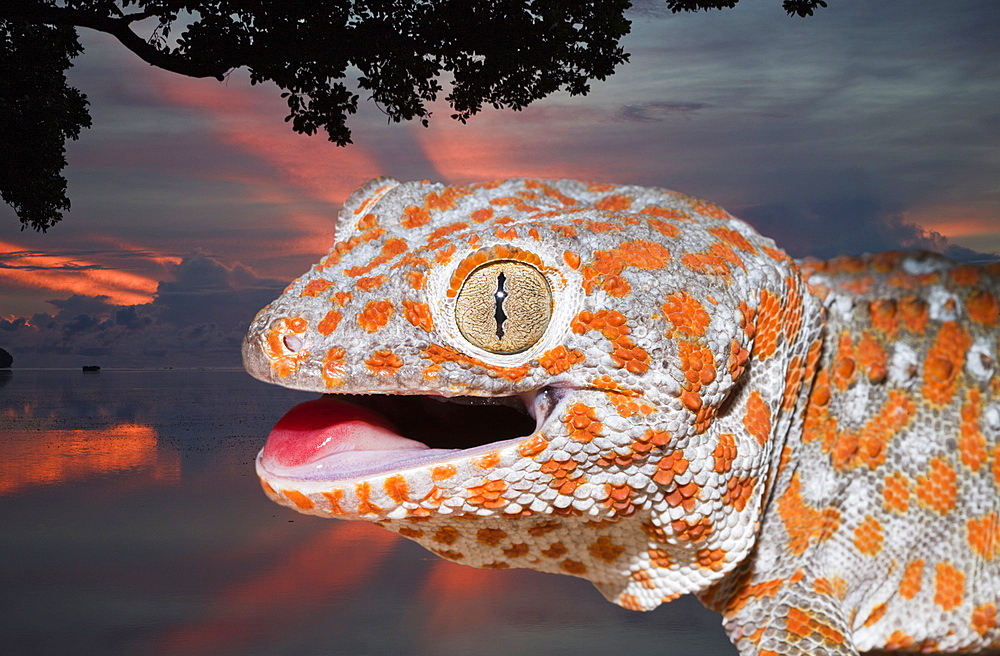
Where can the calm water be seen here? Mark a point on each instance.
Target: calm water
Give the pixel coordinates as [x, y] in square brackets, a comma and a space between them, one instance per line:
[131, 522]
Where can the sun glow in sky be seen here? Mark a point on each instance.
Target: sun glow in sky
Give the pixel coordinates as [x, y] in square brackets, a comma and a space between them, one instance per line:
[870, 126]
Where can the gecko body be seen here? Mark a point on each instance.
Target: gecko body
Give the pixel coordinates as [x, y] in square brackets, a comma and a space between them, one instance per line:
[810, 447]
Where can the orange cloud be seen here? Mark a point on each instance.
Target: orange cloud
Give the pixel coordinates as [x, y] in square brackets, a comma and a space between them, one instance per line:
[249, 120]
[504, 144]
[78, 276]
[957, 220]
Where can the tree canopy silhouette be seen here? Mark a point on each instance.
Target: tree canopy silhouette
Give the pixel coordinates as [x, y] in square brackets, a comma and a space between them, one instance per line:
[501, 53]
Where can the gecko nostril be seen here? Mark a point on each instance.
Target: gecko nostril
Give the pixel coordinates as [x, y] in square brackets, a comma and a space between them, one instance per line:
[292, 343]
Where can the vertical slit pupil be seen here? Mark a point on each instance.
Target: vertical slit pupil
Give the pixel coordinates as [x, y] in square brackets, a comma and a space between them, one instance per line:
[499, 315]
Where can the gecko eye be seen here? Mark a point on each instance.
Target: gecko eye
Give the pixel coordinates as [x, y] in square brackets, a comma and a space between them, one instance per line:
[504, 306]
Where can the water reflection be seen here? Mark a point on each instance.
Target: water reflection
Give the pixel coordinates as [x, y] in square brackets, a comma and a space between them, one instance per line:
[33, 457]
[131, 513]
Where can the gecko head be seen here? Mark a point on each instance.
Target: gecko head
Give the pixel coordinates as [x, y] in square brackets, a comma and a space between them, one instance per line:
[540, 374]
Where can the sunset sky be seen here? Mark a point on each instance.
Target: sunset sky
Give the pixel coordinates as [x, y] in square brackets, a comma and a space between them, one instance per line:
[872, 125]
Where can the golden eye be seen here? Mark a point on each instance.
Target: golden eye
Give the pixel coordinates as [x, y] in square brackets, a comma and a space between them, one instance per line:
[504, 306]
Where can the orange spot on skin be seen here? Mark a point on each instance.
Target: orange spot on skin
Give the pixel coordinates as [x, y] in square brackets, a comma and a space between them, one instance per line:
[713, 559]
[316, 287]
[868, 536]
[329, 323]
[572, 259]
[738, 491]
[488, 495]
[335, 497]
[725, 453]
[614, 203]
[301, 501]
[508, 233]
[914, 314]
[555, 550]
[692, 530]
[574, 567]
[767, 326]
[711, 210]
[627, 401]
[803, 624]
[341, 298]
[606, 268]
[443, 472]
[898, 640]
[666, 229]
[482, 215]
[984, 618]
[868, 446]
[370, 284]
[439, 354]
[391, 249]
[533, 446]
[949, 586]
[983, 308]
[333, 367]
[605, 549]
[367, 221]
[582, 423]
[686, 314]
[666, 213]
[414, 217]
[984, 536]
[938, 489]
[884, 316]
[490, 536]
[945, 360]
[412, 533]
[397, 488]
[559, 359]
[446, 535]
[971, 441]
[803, 523]
[896, 493]
[910, 585]
[416, 279]
[365, 505]
[872, 358]
[375, 315]
[733, 238]
[383, 362]
[488, 461]
[619, 499]
[757, 419]
[613, 325]
[418, 314]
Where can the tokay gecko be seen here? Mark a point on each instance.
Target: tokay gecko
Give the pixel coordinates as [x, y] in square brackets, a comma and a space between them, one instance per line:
[809, 446]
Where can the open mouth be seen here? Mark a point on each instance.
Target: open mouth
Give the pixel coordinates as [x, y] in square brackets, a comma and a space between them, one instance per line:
[338, 437]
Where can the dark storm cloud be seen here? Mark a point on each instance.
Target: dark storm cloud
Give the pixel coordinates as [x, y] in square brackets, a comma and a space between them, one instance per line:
[654, 112]
[197, 319]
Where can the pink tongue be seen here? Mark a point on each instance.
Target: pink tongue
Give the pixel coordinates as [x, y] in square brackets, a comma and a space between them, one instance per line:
[316, 429]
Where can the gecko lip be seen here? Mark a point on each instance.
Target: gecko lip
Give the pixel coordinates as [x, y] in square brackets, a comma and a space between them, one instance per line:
[340, 437]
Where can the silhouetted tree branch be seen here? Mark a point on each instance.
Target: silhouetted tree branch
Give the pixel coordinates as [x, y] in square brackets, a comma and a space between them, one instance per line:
[500, 53]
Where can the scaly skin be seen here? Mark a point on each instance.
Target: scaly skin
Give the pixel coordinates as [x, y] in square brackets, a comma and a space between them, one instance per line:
[827, 479]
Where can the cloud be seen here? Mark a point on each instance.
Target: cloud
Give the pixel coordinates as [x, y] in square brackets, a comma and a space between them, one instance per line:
[655, 112]
[195, 319]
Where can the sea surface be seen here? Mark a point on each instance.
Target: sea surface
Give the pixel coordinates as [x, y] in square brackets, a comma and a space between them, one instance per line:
[131, 522]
